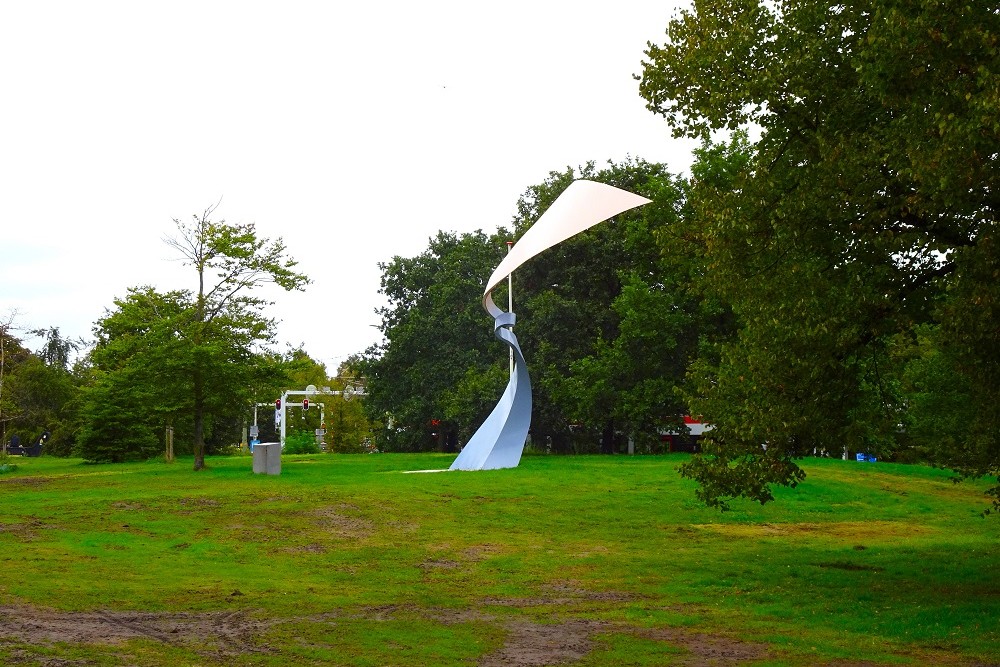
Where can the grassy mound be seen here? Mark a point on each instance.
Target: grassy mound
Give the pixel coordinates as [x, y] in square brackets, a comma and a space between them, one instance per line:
[586, 560]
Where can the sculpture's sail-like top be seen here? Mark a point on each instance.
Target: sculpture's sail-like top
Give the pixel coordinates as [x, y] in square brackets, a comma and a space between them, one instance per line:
[581, 206]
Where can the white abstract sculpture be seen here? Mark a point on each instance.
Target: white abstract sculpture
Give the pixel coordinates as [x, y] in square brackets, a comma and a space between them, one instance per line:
[499, 442]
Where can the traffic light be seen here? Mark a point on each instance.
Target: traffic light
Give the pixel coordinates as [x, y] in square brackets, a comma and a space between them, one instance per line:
[305, 403]
[277, 404]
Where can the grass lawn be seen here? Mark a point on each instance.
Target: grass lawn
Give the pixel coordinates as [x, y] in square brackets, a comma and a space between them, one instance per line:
[345, 560]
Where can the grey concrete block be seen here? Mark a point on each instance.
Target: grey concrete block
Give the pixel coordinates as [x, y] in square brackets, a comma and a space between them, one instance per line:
[267, 458]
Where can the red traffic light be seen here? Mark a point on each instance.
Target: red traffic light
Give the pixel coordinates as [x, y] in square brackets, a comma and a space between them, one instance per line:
[277, 404]
[305, 403]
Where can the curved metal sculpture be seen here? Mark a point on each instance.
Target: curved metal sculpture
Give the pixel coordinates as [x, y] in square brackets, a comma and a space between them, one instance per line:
[499, 442]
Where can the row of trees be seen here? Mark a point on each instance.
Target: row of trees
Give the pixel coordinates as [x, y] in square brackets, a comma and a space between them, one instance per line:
[608, 321]
[193, 361]
[831, 286]
[39, 392]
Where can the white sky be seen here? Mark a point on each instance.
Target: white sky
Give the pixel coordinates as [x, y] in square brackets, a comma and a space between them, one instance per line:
[355, 131]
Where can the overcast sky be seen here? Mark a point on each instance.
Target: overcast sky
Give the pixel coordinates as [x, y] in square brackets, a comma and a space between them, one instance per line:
[355, 131]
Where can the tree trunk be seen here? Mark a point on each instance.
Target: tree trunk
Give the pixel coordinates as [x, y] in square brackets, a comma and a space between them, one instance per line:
[169, 439]
[608, 438]
[199, 421]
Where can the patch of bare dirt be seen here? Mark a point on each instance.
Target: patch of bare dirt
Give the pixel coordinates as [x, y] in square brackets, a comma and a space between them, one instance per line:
[307, 549]
[196, 503]
[26, 530]
[25, 481]
[854, 531]
[531, 644]
[562, 595]
[536, 644]
[526, 642]
[706, 649]
[334, 520]
[218, 633]
[478, 552]
[439, 564]
[131, 506]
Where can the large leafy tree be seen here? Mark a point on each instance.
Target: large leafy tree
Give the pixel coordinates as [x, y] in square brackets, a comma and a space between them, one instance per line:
[867, 206]
[12, 354]
[140, 379]
[607, 321]
[433, 378]
[191, 359]
[607, 318]
[47, 395]
[143, 368]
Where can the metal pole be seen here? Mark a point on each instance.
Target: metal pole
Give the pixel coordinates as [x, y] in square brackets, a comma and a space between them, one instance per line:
[510, 303]
[284, 401]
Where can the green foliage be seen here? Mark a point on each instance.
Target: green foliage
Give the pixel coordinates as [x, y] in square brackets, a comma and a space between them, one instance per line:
[867, 208]
[223, 322]
[609, 319]
[191, 360]
[38, 393]
[47, 397]
[116, 426]
[609, 323]
[301, 443]
[302, 370]
[347, 425]
[435, 334]
[949, 420]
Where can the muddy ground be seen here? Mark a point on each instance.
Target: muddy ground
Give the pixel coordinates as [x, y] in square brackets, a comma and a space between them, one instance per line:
[219, 636]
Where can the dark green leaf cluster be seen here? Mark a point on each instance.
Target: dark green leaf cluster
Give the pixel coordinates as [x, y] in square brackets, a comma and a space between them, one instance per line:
[427, 383]
[38, 392]
[609, 324]
[855, 240]
[609, 318]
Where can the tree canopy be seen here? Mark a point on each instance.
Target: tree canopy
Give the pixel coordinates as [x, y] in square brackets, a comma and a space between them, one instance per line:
[191, 359]
[39, 392]
[431, 377]
[607, 321]
[866, 210]
[223, 317]
[606, 318]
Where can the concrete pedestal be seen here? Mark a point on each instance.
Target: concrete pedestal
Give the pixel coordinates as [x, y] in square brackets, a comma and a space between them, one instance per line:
[267, 458]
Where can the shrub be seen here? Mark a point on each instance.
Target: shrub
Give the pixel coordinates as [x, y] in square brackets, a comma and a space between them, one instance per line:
[301, 443]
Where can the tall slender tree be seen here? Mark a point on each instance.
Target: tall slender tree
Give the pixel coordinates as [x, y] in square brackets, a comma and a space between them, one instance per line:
[230, 261]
